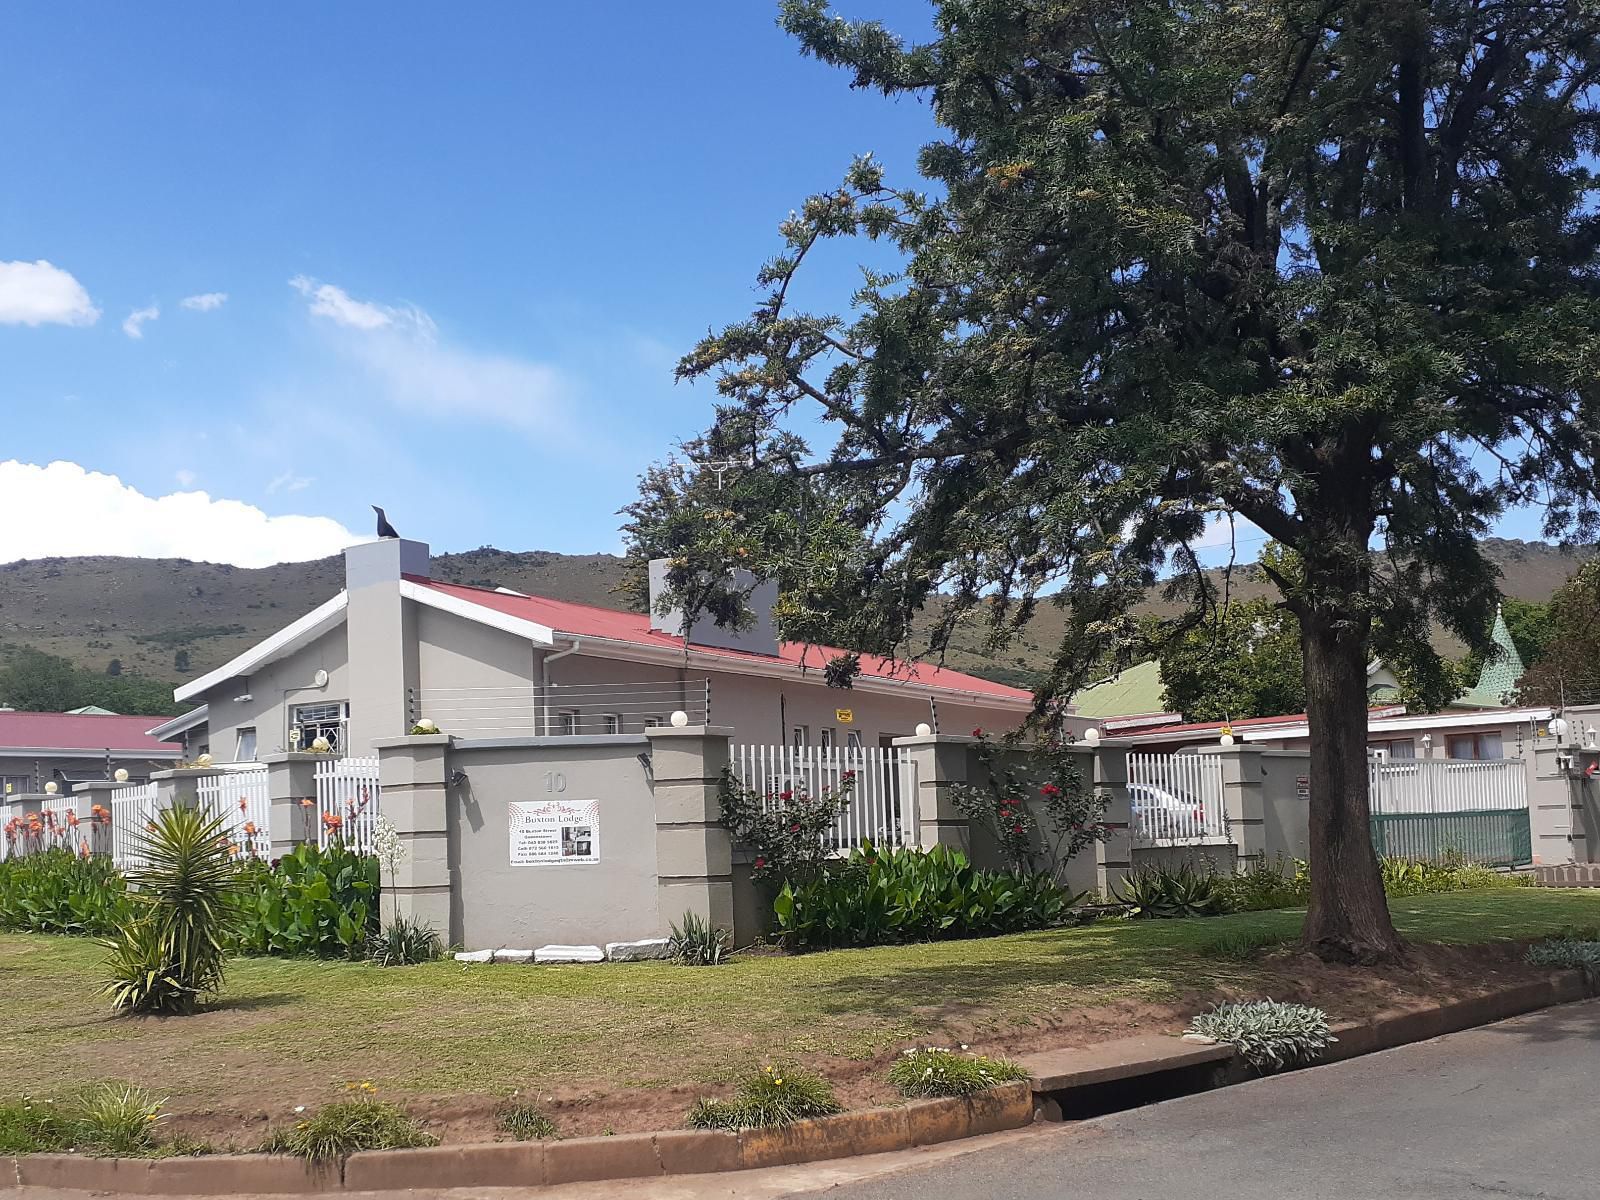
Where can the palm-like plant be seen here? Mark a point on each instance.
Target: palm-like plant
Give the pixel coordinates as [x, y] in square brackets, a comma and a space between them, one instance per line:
[187, 898]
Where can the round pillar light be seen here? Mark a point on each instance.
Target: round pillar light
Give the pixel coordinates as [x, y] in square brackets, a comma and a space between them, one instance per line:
[679, 719]
[121, 775]
[924, 729]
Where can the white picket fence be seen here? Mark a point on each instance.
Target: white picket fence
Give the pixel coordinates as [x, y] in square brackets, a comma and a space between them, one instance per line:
[1446, 785]
[132, 808]
[1176, 798]
[882, 806]
[347, 802]
[240, 799]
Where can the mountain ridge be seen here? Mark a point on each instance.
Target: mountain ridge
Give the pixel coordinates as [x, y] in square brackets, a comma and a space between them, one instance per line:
[146, 613]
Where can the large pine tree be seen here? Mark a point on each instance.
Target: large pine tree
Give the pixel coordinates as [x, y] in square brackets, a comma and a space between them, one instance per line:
[1327, 267]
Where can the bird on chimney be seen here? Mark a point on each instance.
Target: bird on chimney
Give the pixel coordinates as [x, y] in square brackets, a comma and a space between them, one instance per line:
[385, 530]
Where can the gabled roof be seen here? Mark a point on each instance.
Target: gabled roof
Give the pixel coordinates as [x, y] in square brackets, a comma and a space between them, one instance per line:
[1136, 691]
[177, 725]
[630, 635]
[81, 734]
[286, 641]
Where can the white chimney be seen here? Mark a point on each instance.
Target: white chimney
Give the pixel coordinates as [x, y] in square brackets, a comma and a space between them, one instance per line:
[759, 637]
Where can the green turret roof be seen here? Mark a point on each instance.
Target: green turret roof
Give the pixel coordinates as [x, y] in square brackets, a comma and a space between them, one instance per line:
[1501, 670]
[1134, 692]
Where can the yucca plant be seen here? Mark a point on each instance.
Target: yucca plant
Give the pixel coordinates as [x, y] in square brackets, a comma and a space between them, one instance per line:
[186, 901]
[1170, 892]
[404, 943]
[697, 943]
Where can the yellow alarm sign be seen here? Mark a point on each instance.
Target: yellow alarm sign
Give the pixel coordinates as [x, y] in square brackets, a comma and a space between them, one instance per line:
[845, 716]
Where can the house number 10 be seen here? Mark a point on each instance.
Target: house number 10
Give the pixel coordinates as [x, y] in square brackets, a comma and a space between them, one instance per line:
[555, 781]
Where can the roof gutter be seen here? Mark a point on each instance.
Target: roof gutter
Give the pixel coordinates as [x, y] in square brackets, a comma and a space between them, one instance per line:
[544, 675]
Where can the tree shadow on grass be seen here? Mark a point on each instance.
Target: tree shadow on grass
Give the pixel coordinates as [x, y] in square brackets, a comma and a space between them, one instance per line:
[1138, 966]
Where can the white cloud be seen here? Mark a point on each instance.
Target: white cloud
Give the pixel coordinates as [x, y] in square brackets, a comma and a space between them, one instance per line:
[400, 349]
[338, 306]
[133, 325]
[74, 511]
[289, 482]
[185, 477]
[38, 293]
[204, 302]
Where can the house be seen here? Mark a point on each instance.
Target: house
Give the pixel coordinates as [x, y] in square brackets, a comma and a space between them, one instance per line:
[37, 748]
[396, 646]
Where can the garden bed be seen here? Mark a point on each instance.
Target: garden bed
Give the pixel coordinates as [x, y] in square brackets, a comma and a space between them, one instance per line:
[630, 1047]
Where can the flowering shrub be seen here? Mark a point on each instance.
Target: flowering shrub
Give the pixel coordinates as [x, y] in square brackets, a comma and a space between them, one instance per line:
[311, 901]
[1043, 778]
[788, 829]
[59, 891]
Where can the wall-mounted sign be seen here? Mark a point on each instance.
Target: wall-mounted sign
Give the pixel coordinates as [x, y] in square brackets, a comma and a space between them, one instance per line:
[553, 832]
[845, 716]
[1302, 787]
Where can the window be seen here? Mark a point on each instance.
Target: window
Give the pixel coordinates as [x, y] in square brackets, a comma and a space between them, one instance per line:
[313, 721]
[1394, 748]
[611, 723]
[827, 736]
[567, 722]
[15, 785]
[654, 722]
[1473, 746]
[801, 737]
[245, 746]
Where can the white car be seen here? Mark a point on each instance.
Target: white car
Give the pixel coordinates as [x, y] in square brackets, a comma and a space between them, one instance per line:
[1162, 813]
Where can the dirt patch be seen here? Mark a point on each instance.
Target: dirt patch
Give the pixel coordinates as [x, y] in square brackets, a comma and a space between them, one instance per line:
[1433, 974]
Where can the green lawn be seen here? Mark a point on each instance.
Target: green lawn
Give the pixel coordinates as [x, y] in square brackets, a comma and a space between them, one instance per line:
[293, 1029]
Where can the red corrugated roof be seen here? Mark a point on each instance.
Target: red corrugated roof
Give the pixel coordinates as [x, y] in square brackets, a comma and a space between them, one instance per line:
[586, 620]
[82, 731]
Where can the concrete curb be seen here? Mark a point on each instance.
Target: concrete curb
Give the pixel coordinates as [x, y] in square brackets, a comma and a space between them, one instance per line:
[686, 1151]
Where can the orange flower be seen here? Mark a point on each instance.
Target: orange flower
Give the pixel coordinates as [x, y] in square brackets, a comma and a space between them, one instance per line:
[83, 851]
[250, 828]
[305, 802]
[244, 804]
[150, 826]
[72, 819]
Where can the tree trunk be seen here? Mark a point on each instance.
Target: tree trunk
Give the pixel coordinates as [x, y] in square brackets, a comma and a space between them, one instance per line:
[1348, 920]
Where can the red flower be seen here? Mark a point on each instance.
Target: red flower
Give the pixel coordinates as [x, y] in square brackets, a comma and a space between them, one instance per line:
[795, 828]
[786, 795]
[760, 862]
[244, 804]
[1016, 829]
[978, 732]
[1049, 789]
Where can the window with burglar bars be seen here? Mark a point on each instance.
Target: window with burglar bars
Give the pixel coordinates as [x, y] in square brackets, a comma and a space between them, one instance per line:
[308, 722]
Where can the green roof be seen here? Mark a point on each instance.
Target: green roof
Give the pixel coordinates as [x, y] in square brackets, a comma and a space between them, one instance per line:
[1498, 678]
[1130, 693]
[90, 710]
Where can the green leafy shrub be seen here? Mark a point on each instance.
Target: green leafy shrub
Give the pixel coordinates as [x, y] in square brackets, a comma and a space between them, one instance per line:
[789, 830]
[29, 1126]
[526, 1123]
[186, 903]
[404, 943]
[57, 891]
[1452, 873]
[876, 898]
[320, 903]
[1567, 953]
[775, 1095]
[1165, 893]
[1268, 1035]
[1282, 882]
[697, 943]
[345, 1126]
[935, 1071]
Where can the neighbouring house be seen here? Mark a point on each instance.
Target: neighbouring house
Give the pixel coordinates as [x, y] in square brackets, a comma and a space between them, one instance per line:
[37, 748]
[396, 646]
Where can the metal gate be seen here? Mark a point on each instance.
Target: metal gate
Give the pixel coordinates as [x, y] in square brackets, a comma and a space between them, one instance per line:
[1433, 809]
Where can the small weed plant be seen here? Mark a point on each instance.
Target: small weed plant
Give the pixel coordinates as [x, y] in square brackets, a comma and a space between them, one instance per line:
[1268, 1035]
[695, 942]
[1243, 945]
[360, 1122]
[937, 1071]
[102, 1118]
[1281, 882]
[526, 1123]
[404, 943]
[774, 1095]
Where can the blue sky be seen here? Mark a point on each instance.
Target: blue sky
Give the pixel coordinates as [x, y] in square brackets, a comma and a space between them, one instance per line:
[504, 224]
[304, 257]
